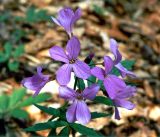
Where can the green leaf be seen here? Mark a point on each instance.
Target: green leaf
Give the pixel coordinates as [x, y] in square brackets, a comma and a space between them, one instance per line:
[16, 96]
[128, 64]
[81, 84]
[34, 100]
[100, 83]
[19, 113]
[4, 99]
[3, 57]
[52, 133]
[18, 51]
[84, 130]
[17, 34]
[103, 100]
[99, 10]
[91, 80]
[30, 14]
[46, 125]
[115, 71]
[34, 15]
[49, 110]
[4, 16]
[99, 115]
[8, 48]
[13, 65]
[64, 132]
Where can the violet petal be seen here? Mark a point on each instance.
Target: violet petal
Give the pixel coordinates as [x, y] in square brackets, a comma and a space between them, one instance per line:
[57, 53]
[71, 112]
[67, 93]
[82, 113]
[108, 63]
[63, 74]
[91, 91]
[115, 51]
[73, 48]
[98, 72]
[81, 69]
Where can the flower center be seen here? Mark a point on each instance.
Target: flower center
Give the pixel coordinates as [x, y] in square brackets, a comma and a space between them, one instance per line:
[79, 97]
[72, 61]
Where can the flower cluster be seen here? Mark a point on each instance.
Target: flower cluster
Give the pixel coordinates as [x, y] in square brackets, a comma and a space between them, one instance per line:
[115, 87]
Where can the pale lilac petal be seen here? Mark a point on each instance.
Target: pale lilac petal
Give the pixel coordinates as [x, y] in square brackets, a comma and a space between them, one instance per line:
[55, 21]
[71, 112]
[113, 84]
[124, 104]
[98, 72]
[65, 17]
[91, 91]
[124, 71]
[63, 75]
[83, 115]
[67, 93]
[73, 48]
[36, 82]
[108, 63]
[115, 51]
[77, 15]
[57, 53]
[126, 92]
[117, 116]
[39, 70]
[81, 69]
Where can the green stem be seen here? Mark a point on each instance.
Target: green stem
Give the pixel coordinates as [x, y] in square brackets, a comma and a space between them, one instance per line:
[75, 83]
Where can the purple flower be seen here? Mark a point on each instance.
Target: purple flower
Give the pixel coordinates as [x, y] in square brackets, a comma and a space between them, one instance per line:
[36, 82]
[81, 69]
[115, 87]
[118, 58]
[121, 98]
[78, 111]
[66, 18]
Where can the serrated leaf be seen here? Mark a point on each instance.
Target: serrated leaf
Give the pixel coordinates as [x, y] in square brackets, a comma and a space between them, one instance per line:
[19, 113]
[49, 110]
[84, 130]
[64, 132]
[34, 100]
[103, 100]
[13, 65]
[16, 96]
[46, 125]
[4, 99]
[99, 115]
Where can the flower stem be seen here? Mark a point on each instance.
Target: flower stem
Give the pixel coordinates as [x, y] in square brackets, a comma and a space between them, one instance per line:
[75, 83]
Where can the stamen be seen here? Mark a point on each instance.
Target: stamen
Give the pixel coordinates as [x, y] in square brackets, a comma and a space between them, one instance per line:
[72, 61]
